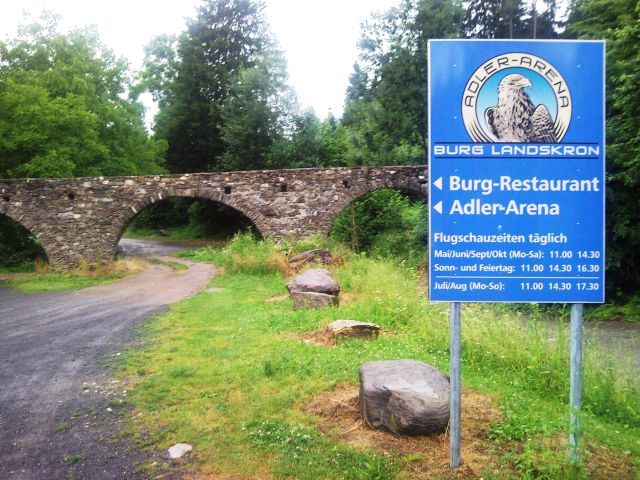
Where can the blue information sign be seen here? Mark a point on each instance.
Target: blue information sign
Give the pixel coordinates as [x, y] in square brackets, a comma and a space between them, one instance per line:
[516, 162]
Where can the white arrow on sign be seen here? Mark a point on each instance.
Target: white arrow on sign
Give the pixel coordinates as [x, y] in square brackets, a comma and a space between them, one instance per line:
[438, 207]
[438, 183]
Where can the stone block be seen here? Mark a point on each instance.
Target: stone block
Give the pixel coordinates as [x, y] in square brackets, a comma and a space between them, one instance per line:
[353, 329]
[312, 299]
[404, 397]
[317, 280]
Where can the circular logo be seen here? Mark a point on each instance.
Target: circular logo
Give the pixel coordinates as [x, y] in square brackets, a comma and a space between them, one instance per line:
[516, 98]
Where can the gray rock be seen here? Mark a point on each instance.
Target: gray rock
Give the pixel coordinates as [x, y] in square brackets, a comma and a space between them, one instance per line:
[352, 328]
[179, 450]
[317, 280]
[404, 397]
[312, 299]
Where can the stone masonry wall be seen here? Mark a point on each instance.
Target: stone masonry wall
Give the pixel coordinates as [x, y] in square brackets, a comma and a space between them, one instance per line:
[84, 218]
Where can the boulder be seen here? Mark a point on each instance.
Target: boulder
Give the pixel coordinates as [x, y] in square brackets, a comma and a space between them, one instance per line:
[318, 255]
[353, 329]
[312, 299]
[404, 397]
[317, 280]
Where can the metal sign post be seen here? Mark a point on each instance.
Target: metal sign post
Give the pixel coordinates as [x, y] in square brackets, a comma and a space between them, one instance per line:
[575, 389]
[455, 385]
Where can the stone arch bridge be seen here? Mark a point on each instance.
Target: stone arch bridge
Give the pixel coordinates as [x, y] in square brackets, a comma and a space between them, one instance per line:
[84, 218]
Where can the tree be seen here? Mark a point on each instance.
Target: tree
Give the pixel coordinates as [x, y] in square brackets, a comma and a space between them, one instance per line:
[336, 150]
[65, 113]
[510, 19]
[482, 19]
[302, 146]
[256, 114]
[547, 24]
[64, 108]
[618, 21]
[386, 102]
[203, 79]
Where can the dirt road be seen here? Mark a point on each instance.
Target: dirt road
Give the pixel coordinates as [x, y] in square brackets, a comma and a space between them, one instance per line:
[61, 412]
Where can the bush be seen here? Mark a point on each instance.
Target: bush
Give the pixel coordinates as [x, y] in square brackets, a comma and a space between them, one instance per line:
[243, 254]
[18, 247]
[385, 223]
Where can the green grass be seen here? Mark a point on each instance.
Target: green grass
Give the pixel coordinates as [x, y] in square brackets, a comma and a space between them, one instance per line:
[629, 311]
[73, 458]
[183, 233]
[221, 375]
[24, 267]
[56, 282]
[42, 280]
[61, 427]
[177, 266]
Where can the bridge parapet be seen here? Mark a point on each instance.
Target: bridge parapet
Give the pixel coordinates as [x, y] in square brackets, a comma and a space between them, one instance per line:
[84, 218]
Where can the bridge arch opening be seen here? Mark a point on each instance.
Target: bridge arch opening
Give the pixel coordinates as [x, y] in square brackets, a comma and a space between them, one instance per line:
[386, 222]
[186, 218]
[20, 249]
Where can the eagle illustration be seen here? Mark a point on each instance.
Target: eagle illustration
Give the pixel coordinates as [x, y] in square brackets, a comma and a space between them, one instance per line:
[515, 118]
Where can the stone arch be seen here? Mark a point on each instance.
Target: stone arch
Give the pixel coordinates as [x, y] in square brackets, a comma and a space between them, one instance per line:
[140, 203]
[360, 190]
[32, 226]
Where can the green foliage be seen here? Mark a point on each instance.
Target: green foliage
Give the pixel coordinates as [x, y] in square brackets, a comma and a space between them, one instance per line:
[223, 371]
[64, 114]
[385, 223]
[220, 86]
[64, 110]
[224, 101]
[629, 310]
[510, 19]
[522, 421]
[242, 254]
[314, 143]
[256, 114]
[619, 23]
[187, 219]
[385, 109]
[18, 247]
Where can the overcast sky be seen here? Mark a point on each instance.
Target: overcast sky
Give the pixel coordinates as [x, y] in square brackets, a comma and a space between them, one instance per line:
[319, 37]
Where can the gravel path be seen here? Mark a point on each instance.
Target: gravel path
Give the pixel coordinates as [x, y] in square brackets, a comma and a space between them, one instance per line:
[61, 412]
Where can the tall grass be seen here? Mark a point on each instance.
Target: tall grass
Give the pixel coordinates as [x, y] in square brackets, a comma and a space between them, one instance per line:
[221, 373]
[86, 274]
[245, 254]
[524, 352]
